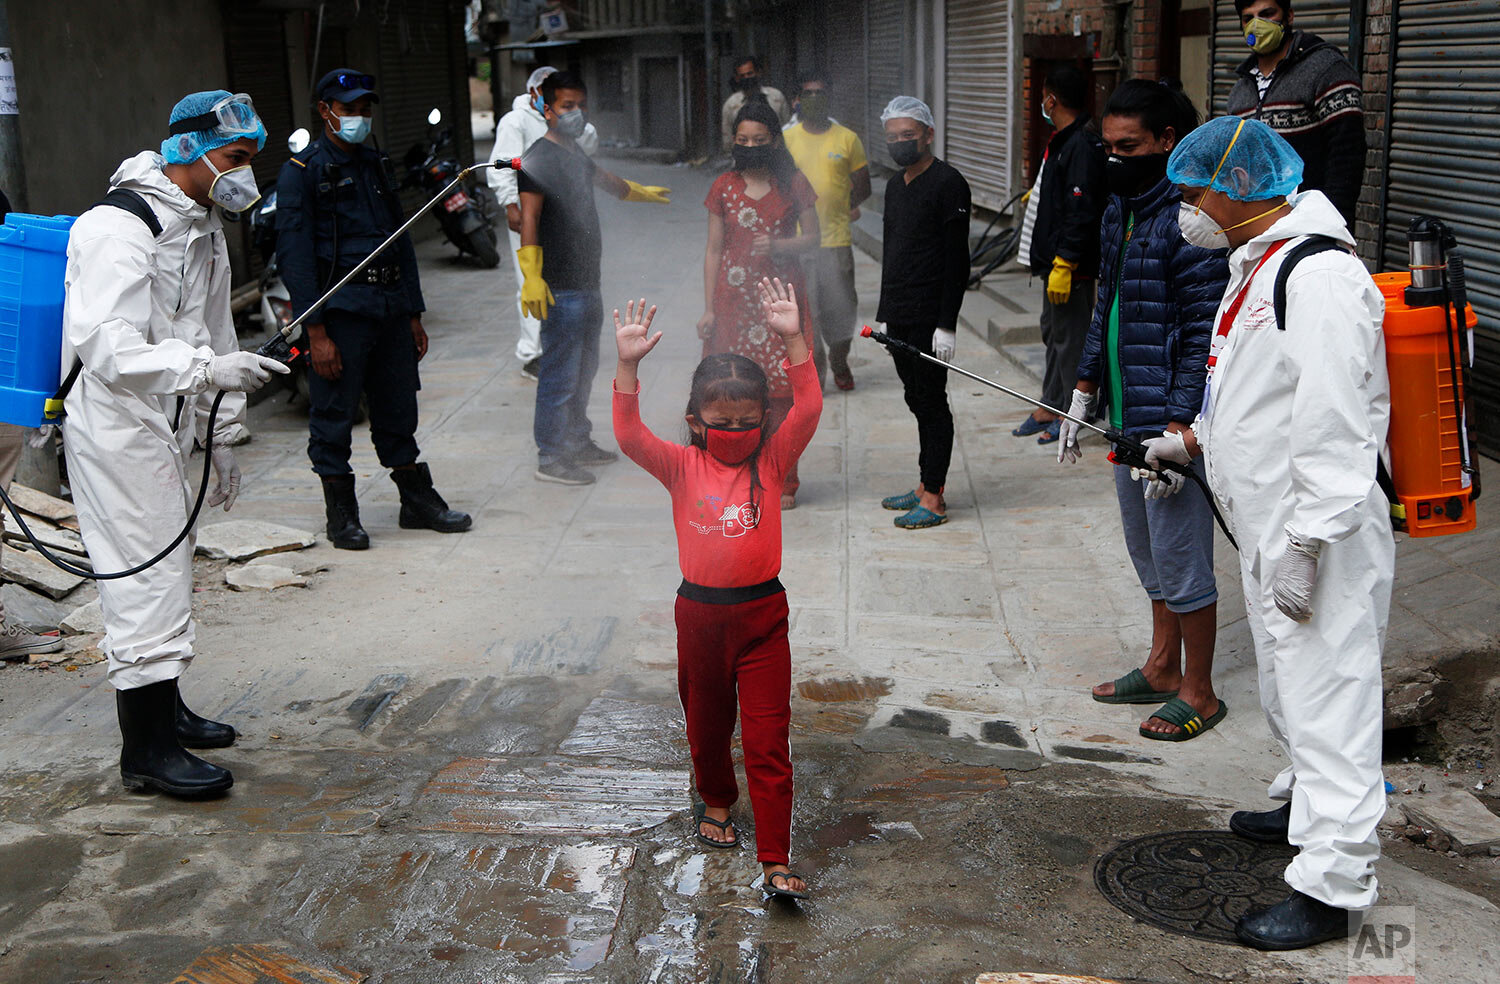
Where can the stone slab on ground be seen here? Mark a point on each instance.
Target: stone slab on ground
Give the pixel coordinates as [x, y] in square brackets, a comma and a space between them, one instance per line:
[26, 567]
[264, 576]
[242, 539]
[41, 504]
[314, 561]
[1459, 814]
[51, 536]
[84, 619]
[37, 612]
[260, 963]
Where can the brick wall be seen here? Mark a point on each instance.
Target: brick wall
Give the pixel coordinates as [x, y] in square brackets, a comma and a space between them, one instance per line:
[1096, 32]
[1375, 79]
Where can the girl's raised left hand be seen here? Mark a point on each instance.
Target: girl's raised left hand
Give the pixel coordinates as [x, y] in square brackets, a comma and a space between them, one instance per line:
[633, 338]
[779, 301]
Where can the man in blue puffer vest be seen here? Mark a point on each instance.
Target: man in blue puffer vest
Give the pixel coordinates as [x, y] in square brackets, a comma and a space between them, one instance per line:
[1144, 363]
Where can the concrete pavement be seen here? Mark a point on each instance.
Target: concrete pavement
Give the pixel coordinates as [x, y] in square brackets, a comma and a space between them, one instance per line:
[462, 756]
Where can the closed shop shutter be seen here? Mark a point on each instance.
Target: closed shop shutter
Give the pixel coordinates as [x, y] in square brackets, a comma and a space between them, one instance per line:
[1445, 160]
[977, 134]
[257, 65]
[886, 47]
[845, 27]
[1328, 19]
[416, 59]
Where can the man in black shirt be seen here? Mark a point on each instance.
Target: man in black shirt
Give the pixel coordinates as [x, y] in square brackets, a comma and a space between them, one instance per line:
[559, 224]
[924, 271]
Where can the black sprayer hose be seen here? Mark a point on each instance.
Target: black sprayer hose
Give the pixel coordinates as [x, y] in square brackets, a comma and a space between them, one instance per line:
[192, 519]
[1127, 450]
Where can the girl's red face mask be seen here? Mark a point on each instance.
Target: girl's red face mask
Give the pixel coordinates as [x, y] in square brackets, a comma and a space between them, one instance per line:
[732, 445]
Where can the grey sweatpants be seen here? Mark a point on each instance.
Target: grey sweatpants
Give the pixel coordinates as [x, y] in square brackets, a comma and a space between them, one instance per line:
[1171, 542]
[1064, 329]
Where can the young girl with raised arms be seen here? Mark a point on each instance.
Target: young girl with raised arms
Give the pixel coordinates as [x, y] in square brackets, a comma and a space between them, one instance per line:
[731, 608]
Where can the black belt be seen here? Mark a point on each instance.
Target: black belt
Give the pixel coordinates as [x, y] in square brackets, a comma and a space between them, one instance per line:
[377, 276]
[729, 596]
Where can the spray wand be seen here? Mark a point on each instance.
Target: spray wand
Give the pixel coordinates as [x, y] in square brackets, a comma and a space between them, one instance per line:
[1127, 450]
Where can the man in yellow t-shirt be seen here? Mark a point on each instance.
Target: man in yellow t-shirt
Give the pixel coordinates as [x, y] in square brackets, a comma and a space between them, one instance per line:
[832, 159]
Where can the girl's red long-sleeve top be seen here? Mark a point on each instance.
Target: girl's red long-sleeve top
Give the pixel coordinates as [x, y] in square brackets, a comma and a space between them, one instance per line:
[722, 540]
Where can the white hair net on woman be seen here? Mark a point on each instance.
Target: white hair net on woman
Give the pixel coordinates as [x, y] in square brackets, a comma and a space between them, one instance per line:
[1245, 159]
[535, 80]
[909, 108]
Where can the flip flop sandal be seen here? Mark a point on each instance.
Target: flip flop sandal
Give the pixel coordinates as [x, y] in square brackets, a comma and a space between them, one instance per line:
[1053, 432]
[727, 825]
[843, 380]
[1180, 712]
[902, 502]
[1028, 427]
[1134, 688]
[919, 518]
[769, 885]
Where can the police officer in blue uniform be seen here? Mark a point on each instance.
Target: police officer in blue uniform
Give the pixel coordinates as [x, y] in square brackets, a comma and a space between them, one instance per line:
[335, 203]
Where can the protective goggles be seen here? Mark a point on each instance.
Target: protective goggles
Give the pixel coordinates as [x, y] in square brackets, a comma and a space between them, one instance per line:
[230, 116]
[352, 80]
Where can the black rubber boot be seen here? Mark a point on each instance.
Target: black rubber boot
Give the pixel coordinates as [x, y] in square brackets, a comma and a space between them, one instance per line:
[1295, 922]
[151, 757]
[344, 531]
[194, 731]
[1268, 827]
[421, 506]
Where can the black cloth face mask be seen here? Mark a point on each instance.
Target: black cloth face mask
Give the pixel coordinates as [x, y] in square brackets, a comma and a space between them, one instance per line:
[1129, 176]
[747, 158]
[904, 152]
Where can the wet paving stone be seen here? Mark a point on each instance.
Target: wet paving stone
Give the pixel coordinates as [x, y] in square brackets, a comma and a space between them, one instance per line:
[613, 727]
[553, 907]
[256, 963]
[838, 691]
[537, 797]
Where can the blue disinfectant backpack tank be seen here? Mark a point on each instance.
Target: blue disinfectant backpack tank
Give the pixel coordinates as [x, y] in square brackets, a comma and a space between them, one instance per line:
[33, 259]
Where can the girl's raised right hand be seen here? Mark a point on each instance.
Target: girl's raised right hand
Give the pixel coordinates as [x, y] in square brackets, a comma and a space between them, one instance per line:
[633, 338]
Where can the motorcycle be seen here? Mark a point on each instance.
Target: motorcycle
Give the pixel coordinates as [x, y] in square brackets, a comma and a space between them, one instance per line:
[467, 215]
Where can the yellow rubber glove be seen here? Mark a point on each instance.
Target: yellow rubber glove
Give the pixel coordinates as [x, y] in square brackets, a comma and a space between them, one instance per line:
[1060, 280]
[536, 296]
[655, 194]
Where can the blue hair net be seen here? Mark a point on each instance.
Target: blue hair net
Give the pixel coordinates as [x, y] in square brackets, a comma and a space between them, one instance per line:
[1245, 159]
[185, 148]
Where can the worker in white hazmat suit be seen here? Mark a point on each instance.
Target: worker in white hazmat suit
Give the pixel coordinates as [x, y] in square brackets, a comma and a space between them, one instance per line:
[1294, 418]
[147, 318]
[517, 130]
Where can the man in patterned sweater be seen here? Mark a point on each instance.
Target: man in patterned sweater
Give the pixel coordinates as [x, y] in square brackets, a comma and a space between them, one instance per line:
[1305, 89]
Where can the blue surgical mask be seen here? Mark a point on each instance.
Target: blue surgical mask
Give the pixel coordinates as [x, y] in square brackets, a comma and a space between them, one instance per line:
[1046, 115]
[538, 105]
[354, 129]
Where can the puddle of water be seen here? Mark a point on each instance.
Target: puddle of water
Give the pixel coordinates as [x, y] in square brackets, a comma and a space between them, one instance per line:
[846, 830]
[690, 875]
[612, 727]
[937, 784]
[839, 691]
[828, 720]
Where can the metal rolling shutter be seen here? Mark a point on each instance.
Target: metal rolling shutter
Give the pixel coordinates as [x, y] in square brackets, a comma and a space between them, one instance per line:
[413, 78]
[978, 101]
[1445, 160]
[1328, 19]
[846, 63]
[257, 64]
[885, 69]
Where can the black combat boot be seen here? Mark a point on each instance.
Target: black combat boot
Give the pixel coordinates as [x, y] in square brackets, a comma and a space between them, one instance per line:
[344, 530]
[151, 757]
[194, 731]
[421, 506]
[1295, 922]
[1268, 827]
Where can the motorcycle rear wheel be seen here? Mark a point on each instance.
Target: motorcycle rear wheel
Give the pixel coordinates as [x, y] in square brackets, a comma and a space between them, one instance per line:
[484, 245]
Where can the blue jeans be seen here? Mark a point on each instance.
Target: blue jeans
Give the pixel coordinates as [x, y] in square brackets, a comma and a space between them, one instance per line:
[565, 374]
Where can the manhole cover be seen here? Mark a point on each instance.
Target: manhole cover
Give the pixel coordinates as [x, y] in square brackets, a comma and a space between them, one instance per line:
[1195, 883]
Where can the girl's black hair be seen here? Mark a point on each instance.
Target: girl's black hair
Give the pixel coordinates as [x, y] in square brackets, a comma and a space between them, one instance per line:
[783, 168]
[730, 377]
[1157, 105]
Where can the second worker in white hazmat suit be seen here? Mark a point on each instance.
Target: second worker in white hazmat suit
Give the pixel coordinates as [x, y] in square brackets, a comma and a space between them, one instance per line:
[1294, 418]
[147, 320]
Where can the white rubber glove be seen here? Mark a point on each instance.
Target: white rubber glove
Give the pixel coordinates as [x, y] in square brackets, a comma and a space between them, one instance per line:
[226, 478]
[1292, 587]
[943, 342]
[1082, 407]
[44, 436]
[242, 372]
[1171, 446]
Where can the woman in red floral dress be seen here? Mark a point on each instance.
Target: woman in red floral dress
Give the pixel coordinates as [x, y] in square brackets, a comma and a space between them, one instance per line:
[760, 221]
